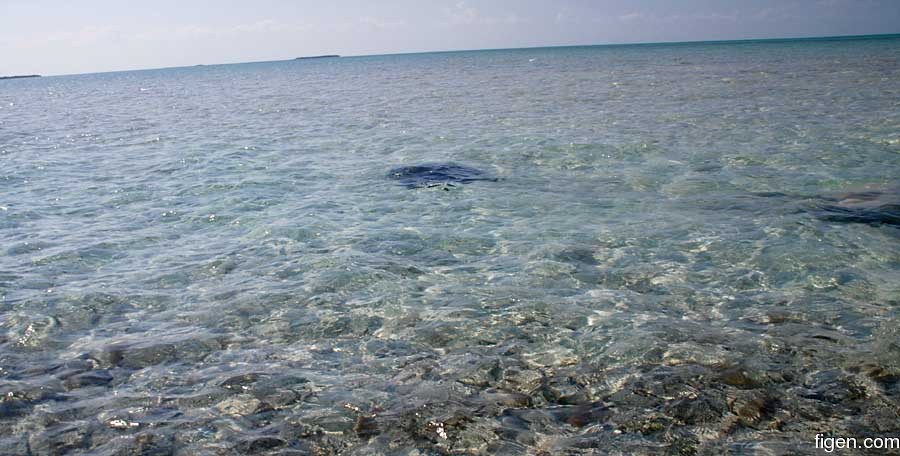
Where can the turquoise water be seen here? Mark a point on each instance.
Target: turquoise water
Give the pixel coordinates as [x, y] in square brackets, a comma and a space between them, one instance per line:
[212, 259]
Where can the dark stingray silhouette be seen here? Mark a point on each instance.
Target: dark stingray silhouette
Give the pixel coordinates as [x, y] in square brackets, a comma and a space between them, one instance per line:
[437, 175]
[872, 207]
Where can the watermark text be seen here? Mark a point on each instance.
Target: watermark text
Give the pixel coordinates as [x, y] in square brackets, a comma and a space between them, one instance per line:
[830, 443]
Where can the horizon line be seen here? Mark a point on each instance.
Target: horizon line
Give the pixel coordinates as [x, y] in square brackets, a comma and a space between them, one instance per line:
[552, 46]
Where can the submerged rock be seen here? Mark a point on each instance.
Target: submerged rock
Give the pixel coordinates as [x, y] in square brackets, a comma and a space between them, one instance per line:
[91, 378]
[140, 350]
[241, 405]
[437, 175]
[259, 444]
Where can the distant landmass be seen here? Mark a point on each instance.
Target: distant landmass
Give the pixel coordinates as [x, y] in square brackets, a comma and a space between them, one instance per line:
[330, 56]
[21, 76]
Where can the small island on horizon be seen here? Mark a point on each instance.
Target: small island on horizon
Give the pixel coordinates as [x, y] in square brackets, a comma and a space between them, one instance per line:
[329, 56]
[21, 76]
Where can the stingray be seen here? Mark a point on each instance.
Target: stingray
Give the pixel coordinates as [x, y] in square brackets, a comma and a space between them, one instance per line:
[872, 207]
[442, 175]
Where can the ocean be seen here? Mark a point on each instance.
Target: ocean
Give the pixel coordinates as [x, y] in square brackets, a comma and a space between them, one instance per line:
[664, 258]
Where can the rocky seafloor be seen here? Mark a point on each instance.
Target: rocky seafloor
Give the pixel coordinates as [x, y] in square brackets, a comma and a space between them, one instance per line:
[627, 371]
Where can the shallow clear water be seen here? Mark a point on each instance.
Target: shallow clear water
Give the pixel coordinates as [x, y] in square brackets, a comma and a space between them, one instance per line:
[213, 259]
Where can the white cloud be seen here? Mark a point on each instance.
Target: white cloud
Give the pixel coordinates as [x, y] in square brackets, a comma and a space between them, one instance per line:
[82, 37]
[381, 23]
[630, 17]
[634, 16]
[463, 14]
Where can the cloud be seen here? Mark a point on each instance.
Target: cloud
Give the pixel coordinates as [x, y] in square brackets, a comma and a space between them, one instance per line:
[651, 18]
[201, 31]
[381, 23]
[263, 26]
[96, 34]
[463, 14]
[82, 37]
[629, 17]
[783, 12]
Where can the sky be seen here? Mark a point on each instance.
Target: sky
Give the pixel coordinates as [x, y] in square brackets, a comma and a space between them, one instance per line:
[83, 36]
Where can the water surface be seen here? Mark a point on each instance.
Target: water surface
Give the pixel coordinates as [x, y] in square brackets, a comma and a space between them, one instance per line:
[212, 259]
